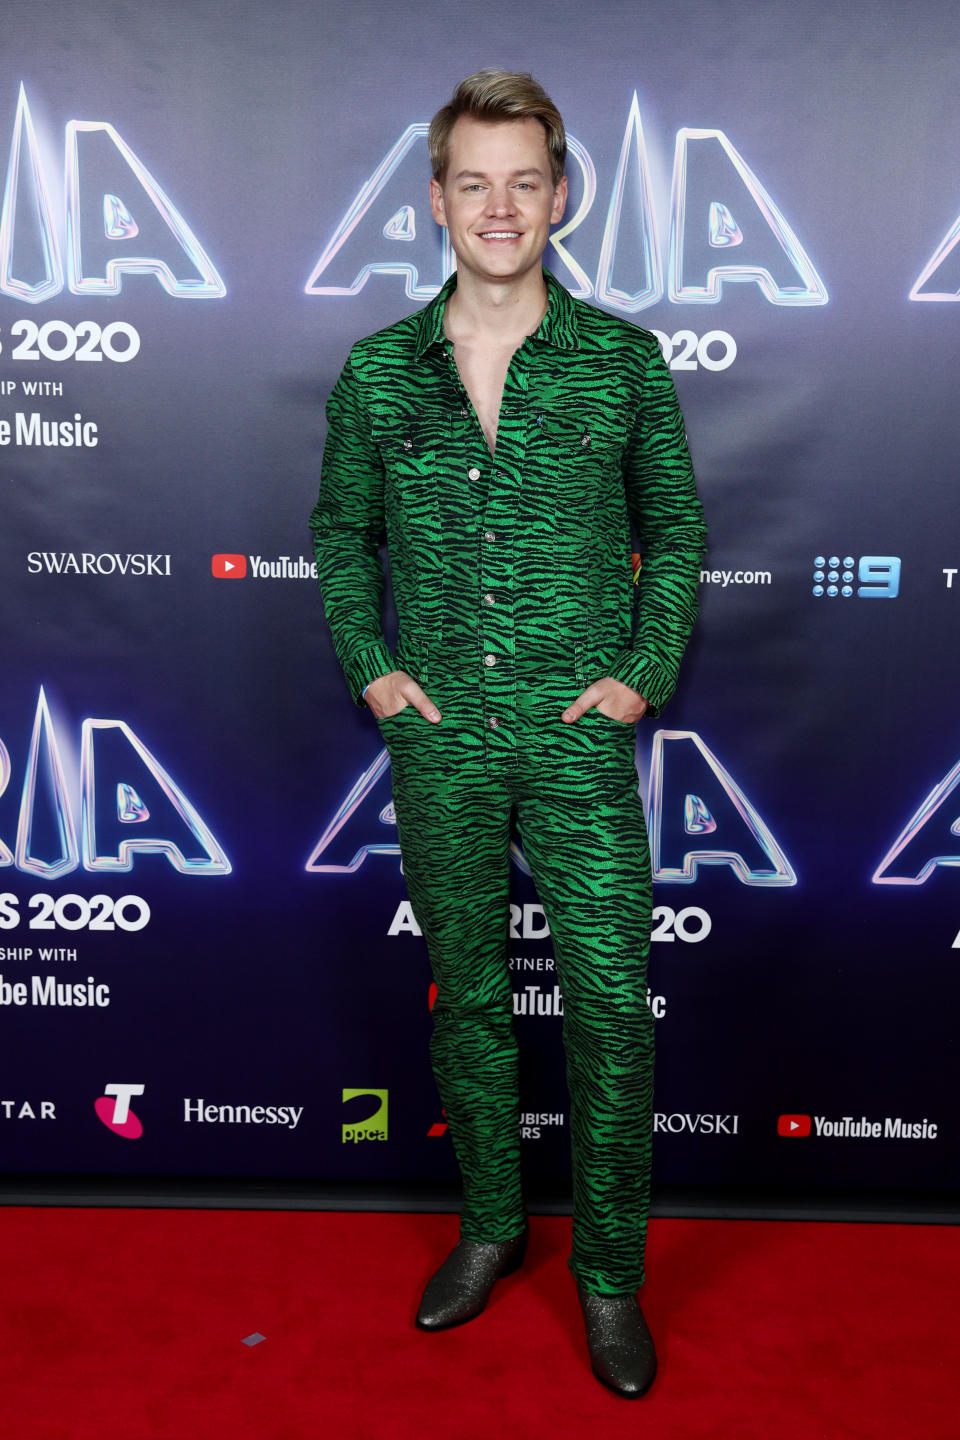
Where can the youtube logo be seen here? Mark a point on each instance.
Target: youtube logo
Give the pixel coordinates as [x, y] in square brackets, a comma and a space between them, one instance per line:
[793, 1126]
[229, 567]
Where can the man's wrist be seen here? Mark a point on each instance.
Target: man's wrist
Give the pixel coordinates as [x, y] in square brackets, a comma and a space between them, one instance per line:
[367, 665]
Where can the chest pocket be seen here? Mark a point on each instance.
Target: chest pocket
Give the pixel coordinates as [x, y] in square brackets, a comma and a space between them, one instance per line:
[566, 431]
[414, 447]
[581, 438]
[410, 444]
[581, 452]
[584, 451]
[582, 460]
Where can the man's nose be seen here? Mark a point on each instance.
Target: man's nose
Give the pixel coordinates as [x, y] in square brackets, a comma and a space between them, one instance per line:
[500, 201]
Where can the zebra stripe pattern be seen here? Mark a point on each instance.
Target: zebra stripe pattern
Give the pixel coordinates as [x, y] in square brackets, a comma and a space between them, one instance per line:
[514, 587]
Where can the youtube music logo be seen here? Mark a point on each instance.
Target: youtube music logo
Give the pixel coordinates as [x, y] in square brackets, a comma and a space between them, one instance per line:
[229, 567]
[793, 1126]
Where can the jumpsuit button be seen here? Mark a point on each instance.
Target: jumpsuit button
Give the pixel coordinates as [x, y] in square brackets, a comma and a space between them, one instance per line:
[464, 412]
[584, 439]
[489, 535]
[408, 444]
[473, 473]
[488, 599]
[493, 722]
[489, 659]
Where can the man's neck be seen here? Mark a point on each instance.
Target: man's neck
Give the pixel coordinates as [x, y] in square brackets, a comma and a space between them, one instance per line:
[494, 313]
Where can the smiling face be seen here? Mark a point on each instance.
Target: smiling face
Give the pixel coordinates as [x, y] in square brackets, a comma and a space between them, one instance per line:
[498, 199]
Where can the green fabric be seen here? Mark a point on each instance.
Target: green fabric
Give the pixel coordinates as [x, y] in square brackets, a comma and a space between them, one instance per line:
[513, 585]
[580, 820]
[590, 438]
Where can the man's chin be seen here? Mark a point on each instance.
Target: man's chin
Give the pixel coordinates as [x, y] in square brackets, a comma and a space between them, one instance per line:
[502, 266]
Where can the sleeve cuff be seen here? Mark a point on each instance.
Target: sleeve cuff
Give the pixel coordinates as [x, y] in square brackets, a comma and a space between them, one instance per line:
[366, 666]
[646, 677]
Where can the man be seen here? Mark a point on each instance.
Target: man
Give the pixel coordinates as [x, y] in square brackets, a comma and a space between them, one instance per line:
[506, 436]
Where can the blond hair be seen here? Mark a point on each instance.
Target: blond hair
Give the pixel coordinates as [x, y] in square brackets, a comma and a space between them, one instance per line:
[498, 95]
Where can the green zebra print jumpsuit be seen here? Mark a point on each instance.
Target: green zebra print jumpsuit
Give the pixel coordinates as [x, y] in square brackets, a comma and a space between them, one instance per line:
[514, 590]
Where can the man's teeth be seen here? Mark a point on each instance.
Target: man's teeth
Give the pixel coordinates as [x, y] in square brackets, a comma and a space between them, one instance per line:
[500, 234]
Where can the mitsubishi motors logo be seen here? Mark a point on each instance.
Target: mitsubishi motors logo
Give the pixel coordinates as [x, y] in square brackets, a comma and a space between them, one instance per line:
[116, 1113]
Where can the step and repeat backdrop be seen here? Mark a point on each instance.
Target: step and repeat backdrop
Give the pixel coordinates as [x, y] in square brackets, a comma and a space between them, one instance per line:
[208, 961]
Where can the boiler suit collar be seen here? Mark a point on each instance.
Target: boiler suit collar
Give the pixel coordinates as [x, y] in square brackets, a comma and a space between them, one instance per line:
[558, 326]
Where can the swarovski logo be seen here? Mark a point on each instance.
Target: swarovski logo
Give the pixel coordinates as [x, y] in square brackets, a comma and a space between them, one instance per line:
[677, 1124]
[68, 562]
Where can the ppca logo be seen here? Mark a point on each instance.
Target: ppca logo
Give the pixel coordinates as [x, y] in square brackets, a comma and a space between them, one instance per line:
[374, 1126]
[113, 1108]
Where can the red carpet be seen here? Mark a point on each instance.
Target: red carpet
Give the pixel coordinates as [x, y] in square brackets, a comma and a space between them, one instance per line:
[127, 1325]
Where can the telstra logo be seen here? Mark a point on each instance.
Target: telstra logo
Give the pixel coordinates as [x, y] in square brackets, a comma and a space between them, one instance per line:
[113, 1108]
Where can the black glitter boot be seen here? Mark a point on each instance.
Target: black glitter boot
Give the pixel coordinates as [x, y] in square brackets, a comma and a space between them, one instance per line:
[622, 1354]
[461, 1287]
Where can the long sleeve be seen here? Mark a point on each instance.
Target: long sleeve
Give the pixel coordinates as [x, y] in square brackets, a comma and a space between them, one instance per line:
[347, 524]
[668, 518]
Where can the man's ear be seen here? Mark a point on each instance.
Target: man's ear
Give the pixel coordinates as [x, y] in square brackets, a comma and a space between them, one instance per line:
[436, 203]
[559, 201]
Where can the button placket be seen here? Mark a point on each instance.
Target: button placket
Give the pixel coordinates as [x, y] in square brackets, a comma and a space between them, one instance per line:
[497, 560]
[495, 622]
[495, 485]
[467, 412]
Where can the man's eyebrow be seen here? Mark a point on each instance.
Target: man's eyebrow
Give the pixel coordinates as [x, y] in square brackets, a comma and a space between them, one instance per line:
[482, 175]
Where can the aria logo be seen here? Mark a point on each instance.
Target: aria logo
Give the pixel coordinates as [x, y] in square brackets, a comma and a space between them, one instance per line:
[116, 1113]
[374, 1126]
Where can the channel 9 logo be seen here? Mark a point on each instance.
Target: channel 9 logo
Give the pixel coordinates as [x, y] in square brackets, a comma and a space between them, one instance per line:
[878, 576]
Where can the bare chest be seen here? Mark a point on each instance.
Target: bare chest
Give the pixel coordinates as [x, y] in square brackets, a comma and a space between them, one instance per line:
[483, 371]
